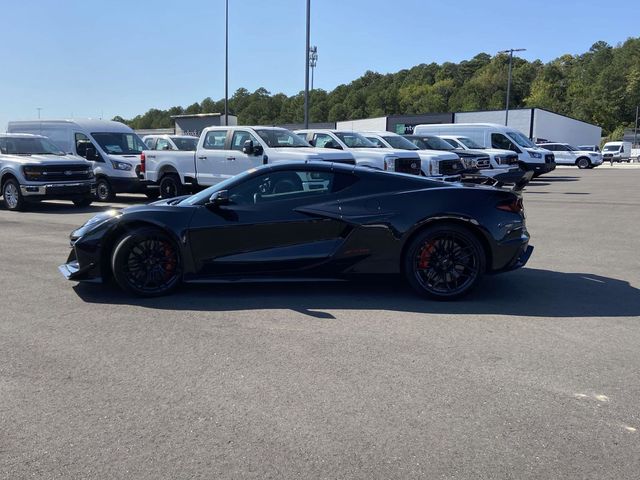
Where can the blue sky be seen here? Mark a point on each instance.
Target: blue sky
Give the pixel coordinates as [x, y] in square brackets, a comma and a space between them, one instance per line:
[87, 58]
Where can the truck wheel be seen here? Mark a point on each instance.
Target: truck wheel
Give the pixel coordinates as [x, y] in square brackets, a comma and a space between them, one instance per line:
[13, 198]
[83, 202]
[583, 163]
[170, 186]
[104, 192]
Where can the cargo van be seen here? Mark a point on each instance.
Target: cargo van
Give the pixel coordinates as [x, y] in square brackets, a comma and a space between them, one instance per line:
[491, 135]
[113, 148]
[617, 152]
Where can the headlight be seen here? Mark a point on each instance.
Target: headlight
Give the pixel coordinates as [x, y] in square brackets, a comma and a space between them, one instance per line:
[594, 155]
[31, 173]
[101, 218]
[121, 165]
[534, 154]
[390, 163]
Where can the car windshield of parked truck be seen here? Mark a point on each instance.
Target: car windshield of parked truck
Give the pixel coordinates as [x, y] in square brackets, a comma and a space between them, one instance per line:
[355, 140]
[28, 146]
[521, 140]
[467, 142]
[400, 143]
[611, 148]
[185, 143]
[434, 143]
[279, 138]
[115, 143]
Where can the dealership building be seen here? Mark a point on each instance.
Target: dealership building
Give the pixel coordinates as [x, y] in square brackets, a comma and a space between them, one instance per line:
[538, 124]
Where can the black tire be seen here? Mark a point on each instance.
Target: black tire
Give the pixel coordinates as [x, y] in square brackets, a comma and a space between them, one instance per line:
[104, 191]
[146, 262]
[13, 199]
[583, 163]
[170, 186]
[83, 202]
[152, 194]
[444, 262]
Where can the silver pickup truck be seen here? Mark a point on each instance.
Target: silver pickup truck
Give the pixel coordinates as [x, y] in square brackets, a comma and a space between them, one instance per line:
[32, 168]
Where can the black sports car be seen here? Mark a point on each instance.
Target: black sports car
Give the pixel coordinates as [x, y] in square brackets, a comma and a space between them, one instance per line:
[308, 221]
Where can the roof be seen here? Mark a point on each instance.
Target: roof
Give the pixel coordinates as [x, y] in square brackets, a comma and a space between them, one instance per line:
[90, 124]
[20, 135]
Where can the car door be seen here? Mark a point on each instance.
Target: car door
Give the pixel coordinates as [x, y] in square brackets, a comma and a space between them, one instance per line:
[269, 225]
[210, 156]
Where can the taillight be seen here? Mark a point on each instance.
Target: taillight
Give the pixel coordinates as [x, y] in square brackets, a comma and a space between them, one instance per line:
[515, 205]
[143, 163]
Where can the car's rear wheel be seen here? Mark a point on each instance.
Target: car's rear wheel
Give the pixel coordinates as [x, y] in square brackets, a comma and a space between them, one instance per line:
[147, 262]
[444, 262]
[13, 198]
[104, 191]
[583, 163]
[170, 186]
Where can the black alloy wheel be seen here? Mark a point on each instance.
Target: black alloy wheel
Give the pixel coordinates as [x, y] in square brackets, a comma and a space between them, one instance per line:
[170, 186]
[104, 191]
[583, 163]
[147, 262]
[444, 262]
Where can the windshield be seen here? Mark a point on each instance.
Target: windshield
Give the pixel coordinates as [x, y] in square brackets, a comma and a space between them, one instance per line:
[280, 137]
[400, 143]
[185, 143]
[201, 197]
[611, 148]
[521, 140]
[115, 143]
[467, 142]
[355, 140]
[433, 143]
[28, 146]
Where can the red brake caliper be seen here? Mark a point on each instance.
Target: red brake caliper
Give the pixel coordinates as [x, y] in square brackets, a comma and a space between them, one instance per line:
[169, 264]
[425, 256]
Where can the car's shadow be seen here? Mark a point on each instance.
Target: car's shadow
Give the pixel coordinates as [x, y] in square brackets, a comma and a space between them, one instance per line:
[526, 292]
[67, 207]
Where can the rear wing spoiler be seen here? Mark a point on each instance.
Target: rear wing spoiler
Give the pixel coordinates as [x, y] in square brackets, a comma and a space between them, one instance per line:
[523, 182]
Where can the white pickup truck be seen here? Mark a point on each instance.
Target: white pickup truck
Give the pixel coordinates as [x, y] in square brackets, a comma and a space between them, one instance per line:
[223, 152]
[366, 153]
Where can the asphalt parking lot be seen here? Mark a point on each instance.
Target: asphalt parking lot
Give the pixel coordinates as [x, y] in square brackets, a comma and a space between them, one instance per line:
[535, 375]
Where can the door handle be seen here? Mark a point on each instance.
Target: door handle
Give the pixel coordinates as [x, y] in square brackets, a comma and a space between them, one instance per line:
[202, 158]
[231, 158]
[151, 156]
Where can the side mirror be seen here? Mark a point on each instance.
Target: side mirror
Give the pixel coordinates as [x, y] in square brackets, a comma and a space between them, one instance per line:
[258, 150]
[312, 142]
[91, 154]
[221, 197]
[248, 147]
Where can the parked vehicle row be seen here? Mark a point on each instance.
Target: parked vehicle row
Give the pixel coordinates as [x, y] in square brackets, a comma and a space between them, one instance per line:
[113, 148]
[32, 169]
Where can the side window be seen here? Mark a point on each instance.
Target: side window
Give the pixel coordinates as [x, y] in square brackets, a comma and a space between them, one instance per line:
[322, 140]
[288, 185]
[241, 136]
[498, 140]
[376, 142]
[622, 149]
[215, 140]
[150, 143]
[163, 144]
[82, 142]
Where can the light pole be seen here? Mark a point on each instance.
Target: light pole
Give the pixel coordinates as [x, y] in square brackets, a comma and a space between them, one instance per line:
[38, 109]
[635, 132]
[306, 70]
[510, 52]
[313, 61]
[226, 62]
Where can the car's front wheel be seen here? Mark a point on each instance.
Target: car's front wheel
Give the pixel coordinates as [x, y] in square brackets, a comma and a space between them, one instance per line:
[444, 262]
[170, 186]
[147, 262]
[583, 163]
[12, 195]
[104, 191]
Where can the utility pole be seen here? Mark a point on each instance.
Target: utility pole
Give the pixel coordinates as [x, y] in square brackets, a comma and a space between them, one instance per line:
[313, 61]
[226, 62]
[38, 109]
[306, 70]
[635, 132]
[510, 52]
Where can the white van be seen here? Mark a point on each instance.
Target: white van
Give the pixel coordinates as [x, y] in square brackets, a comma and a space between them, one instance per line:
[491, 135]
[617, 152]
[112, 147]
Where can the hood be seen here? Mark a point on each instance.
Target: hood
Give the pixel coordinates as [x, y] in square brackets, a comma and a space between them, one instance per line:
[471, 153]
[437, 155]
[498, 151]
[383, 152]
[46, 159]
[312, 153]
